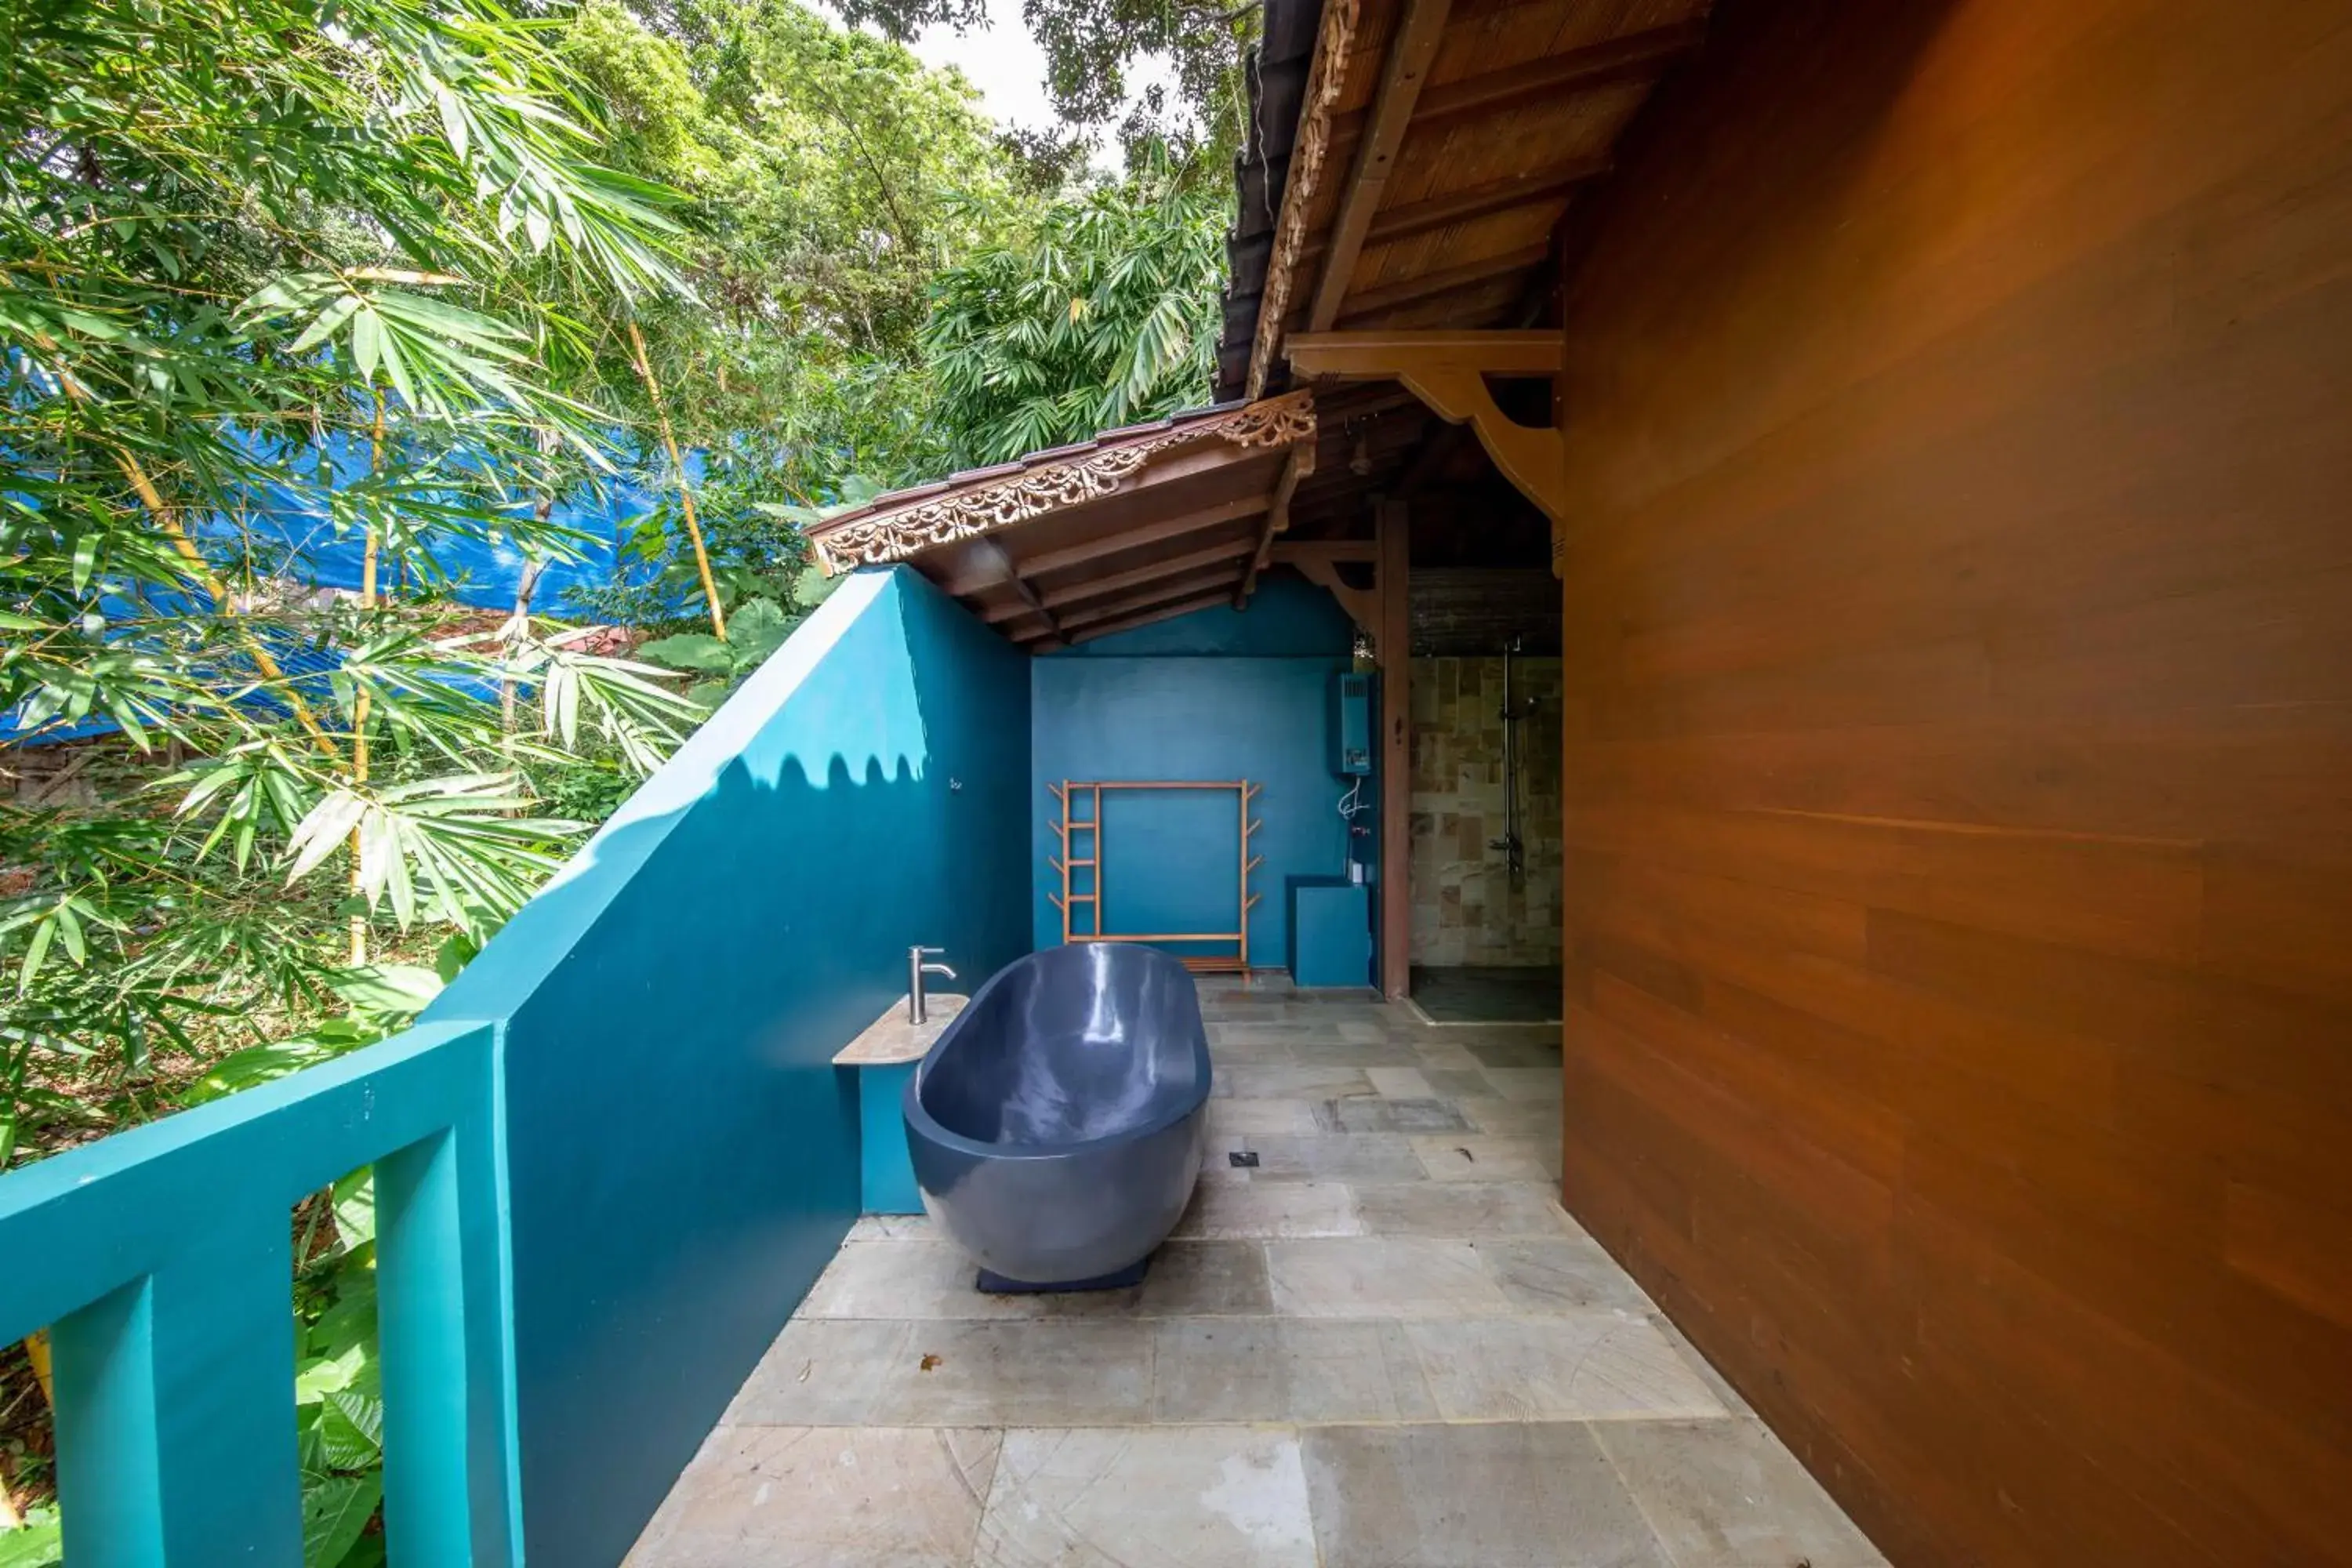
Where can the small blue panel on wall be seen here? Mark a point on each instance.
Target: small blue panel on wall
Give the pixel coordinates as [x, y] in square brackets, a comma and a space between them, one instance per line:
[888, 1171]
[1331, 932]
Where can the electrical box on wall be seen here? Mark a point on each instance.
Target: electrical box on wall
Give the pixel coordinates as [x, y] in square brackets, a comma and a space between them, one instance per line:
[1351, 725]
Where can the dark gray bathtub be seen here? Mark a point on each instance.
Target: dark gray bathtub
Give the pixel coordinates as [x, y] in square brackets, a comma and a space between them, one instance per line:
[1057, 1125]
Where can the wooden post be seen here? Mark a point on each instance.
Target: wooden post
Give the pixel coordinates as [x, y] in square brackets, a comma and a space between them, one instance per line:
[1394, 646]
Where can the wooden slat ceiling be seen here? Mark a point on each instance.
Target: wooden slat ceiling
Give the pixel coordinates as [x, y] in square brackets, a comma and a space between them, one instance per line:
[1439, 145]
[1138, 525]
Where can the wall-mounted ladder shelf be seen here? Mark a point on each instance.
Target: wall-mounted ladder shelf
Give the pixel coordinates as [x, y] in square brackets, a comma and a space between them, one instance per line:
[1087, 854]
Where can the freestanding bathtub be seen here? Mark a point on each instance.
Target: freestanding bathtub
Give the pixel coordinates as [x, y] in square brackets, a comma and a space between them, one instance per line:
[1056, 1126]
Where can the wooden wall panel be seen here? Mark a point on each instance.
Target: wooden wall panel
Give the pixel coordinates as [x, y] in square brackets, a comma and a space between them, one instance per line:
[1958, 758]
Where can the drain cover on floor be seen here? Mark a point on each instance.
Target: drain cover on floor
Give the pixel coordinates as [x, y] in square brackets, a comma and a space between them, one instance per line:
[1243, 1160]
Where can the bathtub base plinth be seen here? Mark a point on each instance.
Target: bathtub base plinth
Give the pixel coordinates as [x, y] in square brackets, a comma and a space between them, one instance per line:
[995, 1284]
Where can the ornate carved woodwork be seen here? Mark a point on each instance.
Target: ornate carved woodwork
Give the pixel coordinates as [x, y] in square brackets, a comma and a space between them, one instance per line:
[1334, 39]
[896, 534]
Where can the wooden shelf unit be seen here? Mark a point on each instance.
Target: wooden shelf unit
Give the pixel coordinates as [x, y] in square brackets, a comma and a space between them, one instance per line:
[1069, 792]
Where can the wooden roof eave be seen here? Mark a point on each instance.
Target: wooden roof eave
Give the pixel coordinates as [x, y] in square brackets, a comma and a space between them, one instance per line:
[995, 499]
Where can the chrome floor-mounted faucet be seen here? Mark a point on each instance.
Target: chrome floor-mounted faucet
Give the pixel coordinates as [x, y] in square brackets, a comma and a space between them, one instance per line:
[916, 969]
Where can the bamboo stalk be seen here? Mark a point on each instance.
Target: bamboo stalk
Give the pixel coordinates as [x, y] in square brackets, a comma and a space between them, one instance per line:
[153, 500]
[359, 704]
[685, 488]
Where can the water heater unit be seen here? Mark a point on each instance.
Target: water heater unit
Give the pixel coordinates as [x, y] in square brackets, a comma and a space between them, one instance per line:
[1351, 725]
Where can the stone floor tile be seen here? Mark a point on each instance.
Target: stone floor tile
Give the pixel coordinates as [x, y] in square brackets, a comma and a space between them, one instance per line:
[1726, 1494]
[1264, 1210]
[1517, 1055]
[1336, 1157]
[1717, 1385]
[933, 1280]
[1457, 1083]
[1399, 1083]
[1279, 1080]
[1206, 1279]
[1587, 1367]
[1382, 1114]
[1472, 1210]
[894, 1227]
[1526, 1083]
[1489, 1112]
[1322, 1050]
[1479, 1157]
[1501, 1496]
[1200, 1497]
[1382, 1277]
[820, 1373]
[1233, 1119]
[1562, 1275]
[1302, 1370]
[1050, 1373]
[796, 1497]
[1435, 1051]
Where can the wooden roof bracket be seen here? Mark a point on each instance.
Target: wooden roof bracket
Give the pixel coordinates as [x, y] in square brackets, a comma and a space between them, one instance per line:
[1448, 371]
[1297, 466]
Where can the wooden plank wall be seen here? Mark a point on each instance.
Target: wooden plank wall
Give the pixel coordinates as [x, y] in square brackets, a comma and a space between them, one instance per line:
[1958, 627]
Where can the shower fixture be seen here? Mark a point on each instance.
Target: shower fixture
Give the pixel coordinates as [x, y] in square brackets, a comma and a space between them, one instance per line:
[1514, 847]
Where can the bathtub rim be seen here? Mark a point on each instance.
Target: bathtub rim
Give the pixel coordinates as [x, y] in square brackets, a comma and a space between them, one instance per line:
[920, 1121]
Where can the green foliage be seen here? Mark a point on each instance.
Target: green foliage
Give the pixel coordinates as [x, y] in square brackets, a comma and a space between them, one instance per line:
[754, 632]
[193, 309]
[1105, 313]
[39, 1543]
[1091, 45]
[338, 1377]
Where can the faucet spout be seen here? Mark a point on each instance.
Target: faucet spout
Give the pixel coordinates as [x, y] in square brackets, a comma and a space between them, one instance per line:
[916, 969]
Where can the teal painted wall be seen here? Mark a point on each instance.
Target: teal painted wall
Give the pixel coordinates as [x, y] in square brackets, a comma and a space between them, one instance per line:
[1217, 694]
[682, 1158]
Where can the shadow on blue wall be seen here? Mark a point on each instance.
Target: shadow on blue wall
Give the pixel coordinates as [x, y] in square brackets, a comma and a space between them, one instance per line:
[682, 1155]
[1217, 694]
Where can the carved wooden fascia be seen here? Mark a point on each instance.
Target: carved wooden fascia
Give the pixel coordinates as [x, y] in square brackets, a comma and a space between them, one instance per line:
[894, 533]
[1309, 151]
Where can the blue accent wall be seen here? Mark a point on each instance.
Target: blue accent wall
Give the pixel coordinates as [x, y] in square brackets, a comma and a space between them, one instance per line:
[682, 1157]
[1217, 694]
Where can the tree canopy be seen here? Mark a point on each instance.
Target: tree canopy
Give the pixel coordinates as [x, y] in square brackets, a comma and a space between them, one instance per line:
[1101, 311]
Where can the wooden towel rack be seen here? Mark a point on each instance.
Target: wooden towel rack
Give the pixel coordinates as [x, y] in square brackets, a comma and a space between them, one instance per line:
[1071, 860]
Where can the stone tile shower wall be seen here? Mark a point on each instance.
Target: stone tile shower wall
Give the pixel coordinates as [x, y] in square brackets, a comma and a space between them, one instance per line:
[1466, 909]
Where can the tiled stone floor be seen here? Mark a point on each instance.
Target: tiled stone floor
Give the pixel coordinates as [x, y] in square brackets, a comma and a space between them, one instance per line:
[1385, 1347]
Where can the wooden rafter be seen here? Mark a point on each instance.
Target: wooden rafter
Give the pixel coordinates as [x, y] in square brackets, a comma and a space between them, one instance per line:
[1446, 279]
[1411, 52]
[1011, 575]
[1045, 563]
[1145, 598]
[1166, 612]
[1448, 372]
[1480, 201]
[1277, 517]
[1637, 57]
[1158, 570]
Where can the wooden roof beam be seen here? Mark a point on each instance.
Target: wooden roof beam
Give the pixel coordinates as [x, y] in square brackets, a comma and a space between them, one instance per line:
[1277, 517]
[1479, 201]
[1448, 372]
[995, 553]
[1446, 279]
[1158, 570]
[1115, 542]
[1298, 552]
[1411, 50]
[1145, 617]
[1636, 56]
[1220, 581]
